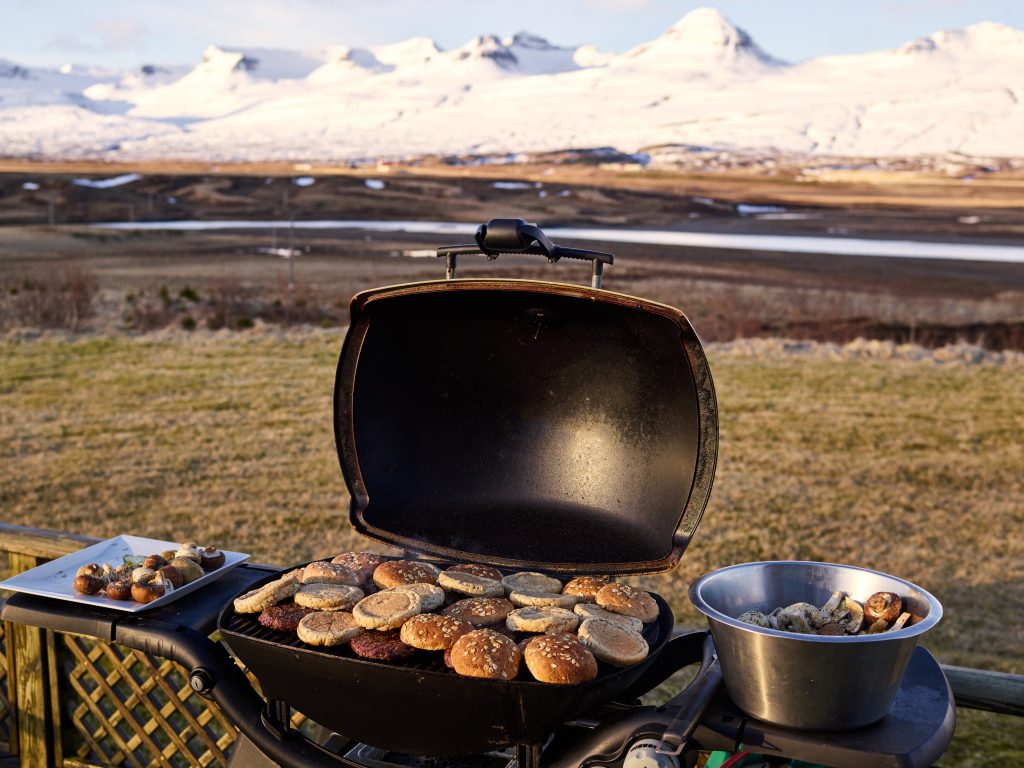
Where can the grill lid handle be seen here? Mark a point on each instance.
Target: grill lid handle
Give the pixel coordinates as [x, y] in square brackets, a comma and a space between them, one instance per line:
[500, 236]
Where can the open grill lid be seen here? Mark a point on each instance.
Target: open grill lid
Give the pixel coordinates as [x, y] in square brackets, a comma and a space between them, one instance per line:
[527, 424]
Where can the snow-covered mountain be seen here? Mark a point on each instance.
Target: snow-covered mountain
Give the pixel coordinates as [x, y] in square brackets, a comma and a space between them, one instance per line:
[703, 82]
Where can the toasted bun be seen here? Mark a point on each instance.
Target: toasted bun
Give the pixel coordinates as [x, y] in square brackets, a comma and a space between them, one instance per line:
[484, 571]
[592, 611]
[536, 618]
[328, 628]
[585, 587]
[622, 598]
[328, 597]
[530, 581]
[387, 610]
[267, 595]
[397, 573]
[434, 632]
[330, 573]
[557, 659]
[552, 599]
[483, 653]
[362, 563]
[613, 643]
[470, 584]
[481, 611]
[431, 595]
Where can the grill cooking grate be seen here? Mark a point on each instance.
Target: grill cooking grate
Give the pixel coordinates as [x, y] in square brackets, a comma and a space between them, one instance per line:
[426, 661]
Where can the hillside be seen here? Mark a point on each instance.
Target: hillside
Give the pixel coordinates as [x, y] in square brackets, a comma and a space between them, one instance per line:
[702, 83]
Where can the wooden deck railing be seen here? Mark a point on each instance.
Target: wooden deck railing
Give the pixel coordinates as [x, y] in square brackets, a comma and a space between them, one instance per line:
[68, 700]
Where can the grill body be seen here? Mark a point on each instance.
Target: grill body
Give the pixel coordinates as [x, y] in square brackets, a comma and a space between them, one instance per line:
[419, 706]
[528, 425]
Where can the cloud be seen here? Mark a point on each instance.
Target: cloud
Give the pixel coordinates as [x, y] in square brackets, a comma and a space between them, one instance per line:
[65, 42]
[119, 34]
[103, 35]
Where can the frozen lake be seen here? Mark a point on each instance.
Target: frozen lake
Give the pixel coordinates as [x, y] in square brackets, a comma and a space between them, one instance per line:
[842, 246]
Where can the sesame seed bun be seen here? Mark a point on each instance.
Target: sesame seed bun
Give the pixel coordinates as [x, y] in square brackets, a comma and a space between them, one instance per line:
[470, 584]
[557, 659]
[485, 571]
[622, 598]
[523, 599]
[433, 632]
[397, 573]
[585, 587]
[481, 611]
[483, 653]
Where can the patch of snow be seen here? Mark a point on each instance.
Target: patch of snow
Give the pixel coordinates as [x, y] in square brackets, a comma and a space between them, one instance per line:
[30, 185]
[374, 184]
[114, 181]
[746, 209]
[304, 181]
[511, 185]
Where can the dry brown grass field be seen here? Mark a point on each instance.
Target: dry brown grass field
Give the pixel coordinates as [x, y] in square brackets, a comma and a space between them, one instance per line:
[913, 468]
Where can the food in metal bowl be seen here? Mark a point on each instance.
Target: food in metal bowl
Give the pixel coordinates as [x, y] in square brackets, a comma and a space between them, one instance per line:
[833, 680]
[840, 616]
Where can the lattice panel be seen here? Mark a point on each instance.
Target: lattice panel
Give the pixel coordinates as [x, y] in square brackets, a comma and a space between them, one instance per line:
[6, 714]
[123, 707]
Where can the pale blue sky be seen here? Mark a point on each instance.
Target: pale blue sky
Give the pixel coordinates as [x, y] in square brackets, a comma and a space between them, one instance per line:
[132, 32]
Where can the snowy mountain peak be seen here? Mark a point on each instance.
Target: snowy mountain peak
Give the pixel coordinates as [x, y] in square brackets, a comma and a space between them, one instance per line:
[262, 63]
[488, 47]
[10, 69]
[708, 27]
[217, 59]
[415, 50]
[530, 41]
[702, 38]
[984, 38]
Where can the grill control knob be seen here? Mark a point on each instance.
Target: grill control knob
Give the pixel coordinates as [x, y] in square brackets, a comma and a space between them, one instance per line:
[644, 754]
[201, 681]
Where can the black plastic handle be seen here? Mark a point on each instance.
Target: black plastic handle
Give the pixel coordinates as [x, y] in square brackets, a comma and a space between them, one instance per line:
[500, 236]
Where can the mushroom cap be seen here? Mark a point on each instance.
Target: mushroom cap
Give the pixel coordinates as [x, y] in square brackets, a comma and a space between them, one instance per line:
[883, 606]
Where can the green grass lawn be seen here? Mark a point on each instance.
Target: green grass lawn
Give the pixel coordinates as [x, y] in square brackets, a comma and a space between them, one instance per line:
[915, 469]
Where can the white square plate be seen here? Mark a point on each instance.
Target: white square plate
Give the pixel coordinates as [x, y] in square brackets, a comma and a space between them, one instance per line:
[56, 578]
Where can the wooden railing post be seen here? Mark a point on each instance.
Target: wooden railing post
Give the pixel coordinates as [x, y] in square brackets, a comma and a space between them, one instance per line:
[35, 727]
[30, 690]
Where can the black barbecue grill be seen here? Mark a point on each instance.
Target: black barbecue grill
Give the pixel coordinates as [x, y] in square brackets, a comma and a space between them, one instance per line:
[531, 426]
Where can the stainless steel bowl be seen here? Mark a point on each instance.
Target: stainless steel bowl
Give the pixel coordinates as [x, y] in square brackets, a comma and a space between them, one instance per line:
[808, 681]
